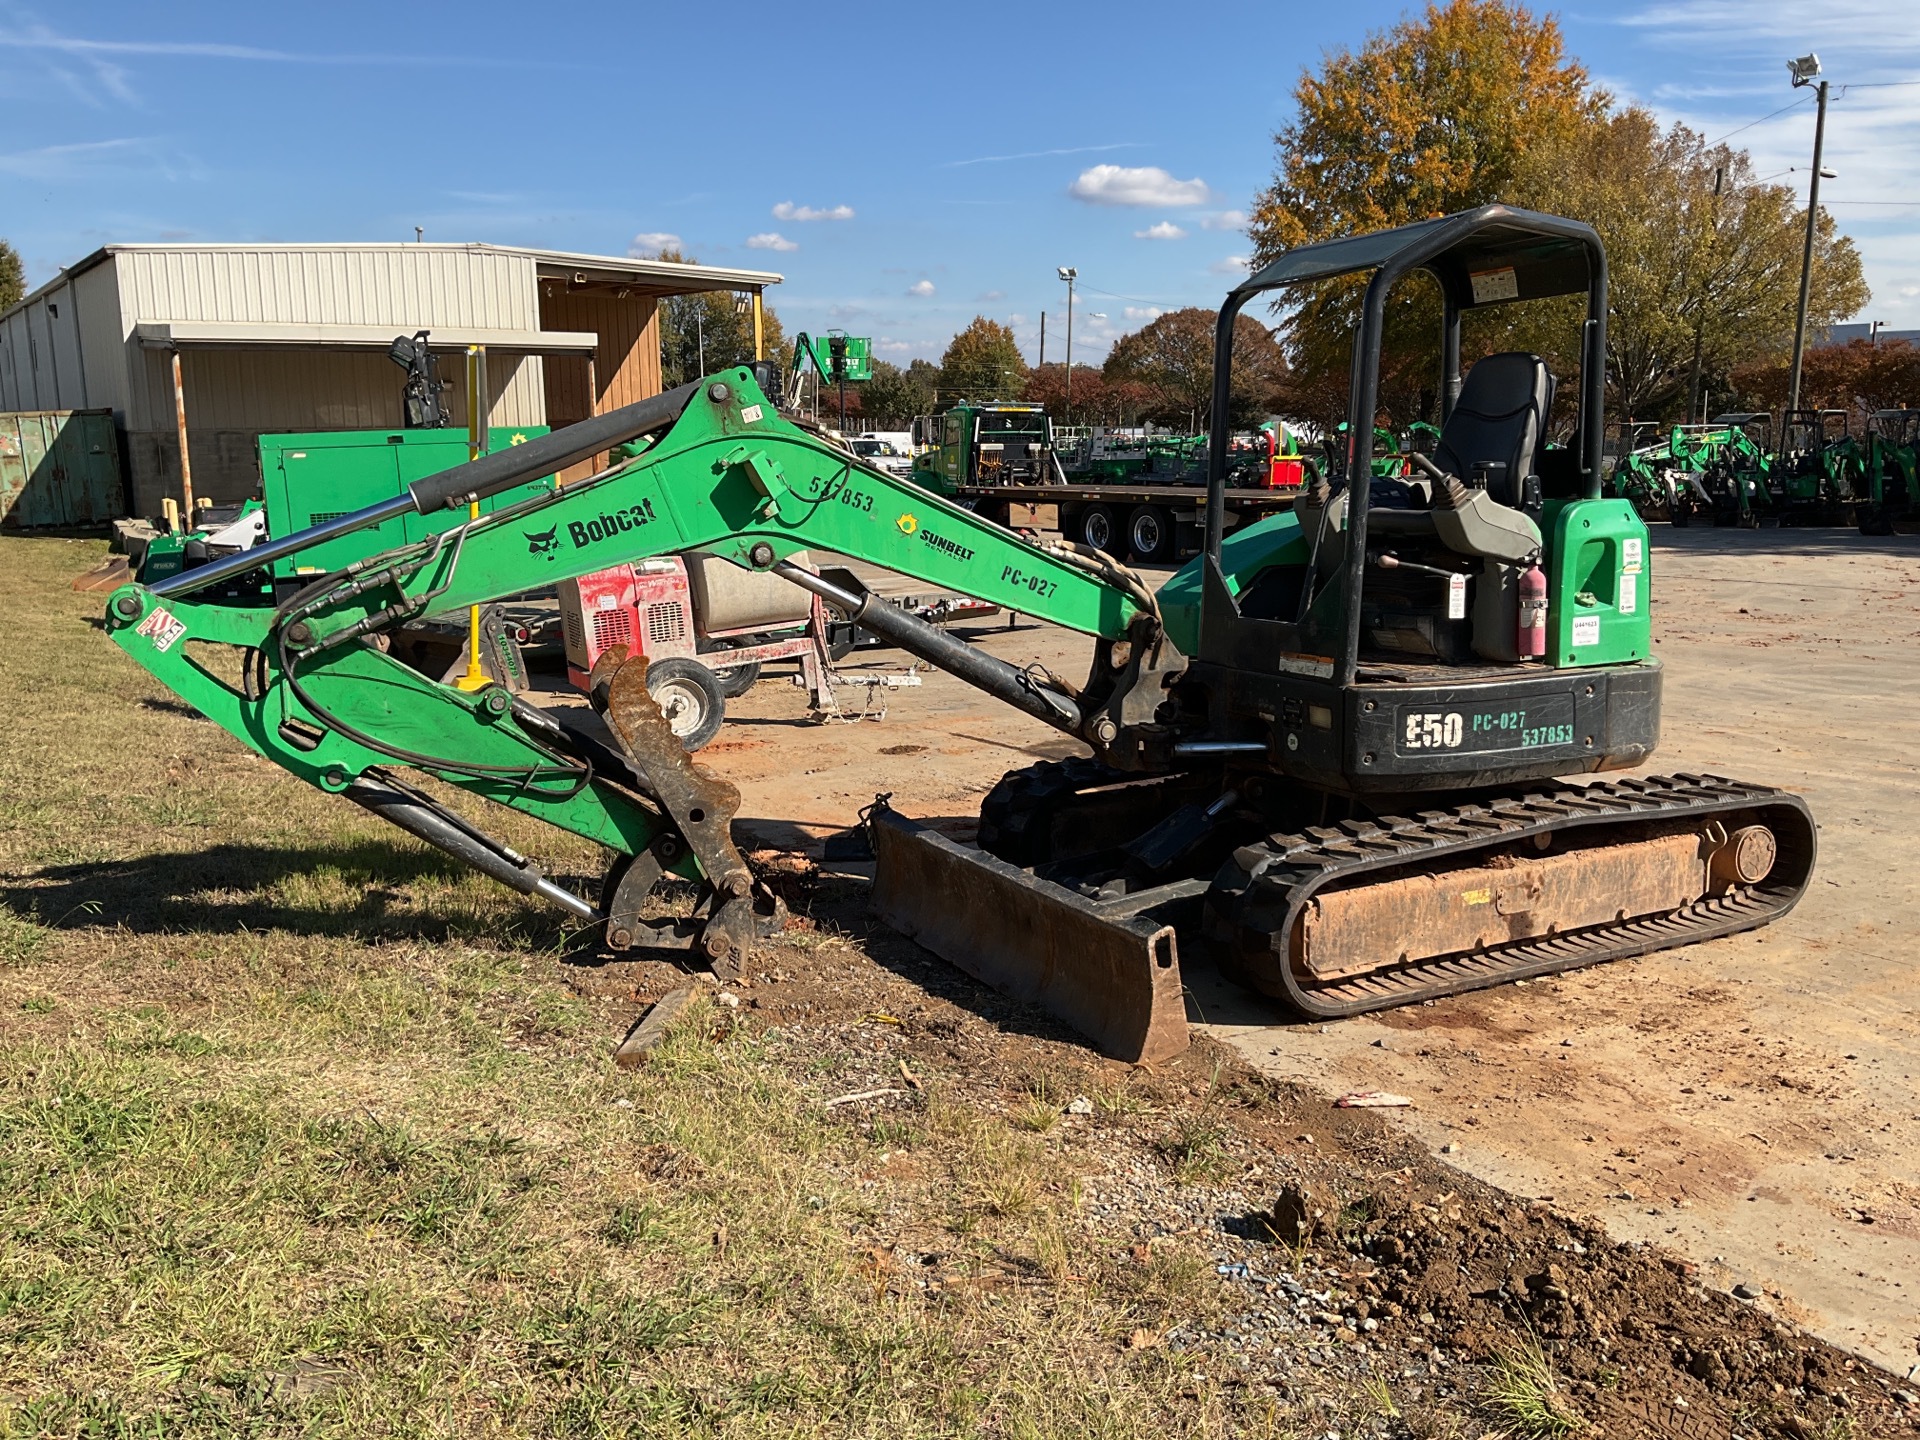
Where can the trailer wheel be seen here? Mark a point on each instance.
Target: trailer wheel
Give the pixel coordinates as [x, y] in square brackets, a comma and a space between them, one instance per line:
[1097, 527]
[689, 696]
[734, 680]
[1150, 532]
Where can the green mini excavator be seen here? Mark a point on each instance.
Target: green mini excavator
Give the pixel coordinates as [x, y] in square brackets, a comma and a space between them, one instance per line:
[1331, 751]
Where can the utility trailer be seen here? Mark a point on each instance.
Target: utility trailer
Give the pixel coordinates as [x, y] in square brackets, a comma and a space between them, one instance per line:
[1144, 522]
[999, 460]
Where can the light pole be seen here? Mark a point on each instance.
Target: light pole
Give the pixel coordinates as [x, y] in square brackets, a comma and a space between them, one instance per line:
[1069, 274]
[1805, 71]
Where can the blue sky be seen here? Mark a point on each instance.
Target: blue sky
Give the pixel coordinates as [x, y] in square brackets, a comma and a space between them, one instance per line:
[904, 169]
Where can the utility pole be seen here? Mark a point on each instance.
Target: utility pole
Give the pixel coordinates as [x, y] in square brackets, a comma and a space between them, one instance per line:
[1804, 71]
[1043, 341]
[1069, 274]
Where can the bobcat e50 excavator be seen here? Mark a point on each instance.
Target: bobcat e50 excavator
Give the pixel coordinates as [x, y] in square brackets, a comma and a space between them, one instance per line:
[1330, 744]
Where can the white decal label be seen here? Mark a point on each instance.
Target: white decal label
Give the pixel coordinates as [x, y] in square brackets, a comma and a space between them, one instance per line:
[1492, 285]
[1631, 555]
[162, 629]
[1586, 630]
[1629, 593]
[1457, 598]
[1303, 664]
[750, 414]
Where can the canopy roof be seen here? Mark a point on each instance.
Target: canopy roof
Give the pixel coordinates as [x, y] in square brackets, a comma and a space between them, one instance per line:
[1486, 256]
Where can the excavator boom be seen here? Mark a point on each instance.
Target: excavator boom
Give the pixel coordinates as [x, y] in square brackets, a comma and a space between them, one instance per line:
[718, 469]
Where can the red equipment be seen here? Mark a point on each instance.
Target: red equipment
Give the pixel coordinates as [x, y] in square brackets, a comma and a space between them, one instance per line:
[1531, 641]
[649, 608]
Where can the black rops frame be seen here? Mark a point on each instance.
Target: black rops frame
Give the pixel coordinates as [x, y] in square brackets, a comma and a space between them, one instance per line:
[1549, 256]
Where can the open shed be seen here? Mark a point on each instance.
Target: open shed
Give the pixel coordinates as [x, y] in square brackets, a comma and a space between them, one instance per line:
[226, 342]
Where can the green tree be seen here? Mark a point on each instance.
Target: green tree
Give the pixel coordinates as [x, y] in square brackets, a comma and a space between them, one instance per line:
[982, 362]
[1698, 255]
[1436, 115]
[710, 327]
[890, 401]
[1171, 357]
[924, 377]
[1477, 102]
[13, 277]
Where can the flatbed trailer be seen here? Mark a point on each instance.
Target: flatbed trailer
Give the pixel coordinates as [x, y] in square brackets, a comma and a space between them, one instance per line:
[1141, 521]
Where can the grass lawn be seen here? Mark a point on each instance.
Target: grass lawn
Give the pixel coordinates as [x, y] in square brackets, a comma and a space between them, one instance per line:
[304, 1130]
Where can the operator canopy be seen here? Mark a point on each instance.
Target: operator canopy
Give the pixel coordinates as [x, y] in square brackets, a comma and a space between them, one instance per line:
[1487, 256]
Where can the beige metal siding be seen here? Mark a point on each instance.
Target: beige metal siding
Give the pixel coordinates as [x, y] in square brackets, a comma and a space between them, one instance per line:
[96, 303]
[409, 287]
[41, 365]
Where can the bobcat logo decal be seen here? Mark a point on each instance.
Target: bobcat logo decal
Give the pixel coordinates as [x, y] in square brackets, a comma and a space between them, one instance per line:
[544, 543]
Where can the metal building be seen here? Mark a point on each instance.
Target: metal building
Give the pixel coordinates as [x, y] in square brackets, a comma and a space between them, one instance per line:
[225, 342]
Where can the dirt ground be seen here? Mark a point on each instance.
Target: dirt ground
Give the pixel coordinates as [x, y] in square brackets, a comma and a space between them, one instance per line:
[1752, 1103]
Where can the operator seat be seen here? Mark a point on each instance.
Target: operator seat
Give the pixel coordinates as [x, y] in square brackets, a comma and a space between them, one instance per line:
[1500, 418]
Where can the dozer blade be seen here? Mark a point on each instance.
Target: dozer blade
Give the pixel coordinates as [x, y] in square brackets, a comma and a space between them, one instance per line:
[1110, 972]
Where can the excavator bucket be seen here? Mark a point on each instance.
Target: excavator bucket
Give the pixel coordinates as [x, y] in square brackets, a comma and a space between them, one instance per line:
[1110, 972]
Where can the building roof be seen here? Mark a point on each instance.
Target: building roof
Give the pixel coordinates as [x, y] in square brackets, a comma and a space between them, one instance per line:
[643, 277]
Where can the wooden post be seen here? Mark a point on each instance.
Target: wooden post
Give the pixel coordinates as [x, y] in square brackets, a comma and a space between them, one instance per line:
[180, 422]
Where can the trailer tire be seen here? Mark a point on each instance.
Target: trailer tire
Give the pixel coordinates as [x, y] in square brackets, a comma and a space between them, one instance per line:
[1150, 533]
[734, 680]
[1099, 529]
[690, 697]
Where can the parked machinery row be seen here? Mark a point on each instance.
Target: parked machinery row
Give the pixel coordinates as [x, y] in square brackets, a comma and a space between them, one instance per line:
[1736, 469]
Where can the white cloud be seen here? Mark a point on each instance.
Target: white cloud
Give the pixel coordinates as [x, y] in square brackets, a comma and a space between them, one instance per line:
[922, 288]
[69, 162]
[787, 210]
[993, 294]
[649, 243]
[771, 240]
[893, 347]
[1140, 313]
[1137, 185]
[1230, 265]
[1224, 220]
[1165, 230]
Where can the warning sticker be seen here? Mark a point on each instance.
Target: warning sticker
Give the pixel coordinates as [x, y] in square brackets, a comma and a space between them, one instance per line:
[1629, 598]
[162, 629]
[1492, 285]
[1586, 630]
[750, 414]
[1457, 598]
[1632, 551]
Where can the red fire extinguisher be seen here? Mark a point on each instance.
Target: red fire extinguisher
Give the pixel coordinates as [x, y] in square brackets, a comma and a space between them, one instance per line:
[1531, 641]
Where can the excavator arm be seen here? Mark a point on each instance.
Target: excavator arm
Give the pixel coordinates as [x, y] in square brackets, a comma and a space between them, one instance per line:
[713, 467]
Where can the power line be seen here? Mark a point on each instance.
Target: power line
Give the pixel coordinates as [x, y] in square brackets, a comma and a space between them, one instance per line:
[1797, 100]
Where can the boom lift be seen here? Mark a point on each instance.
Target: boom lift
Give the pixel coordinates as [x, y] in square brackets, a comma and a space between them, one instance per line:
[1333, 739]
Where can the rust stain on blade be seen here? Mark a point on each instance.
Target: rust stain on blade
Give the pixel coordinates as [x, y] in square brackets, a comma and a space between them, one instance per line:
[1114, 979]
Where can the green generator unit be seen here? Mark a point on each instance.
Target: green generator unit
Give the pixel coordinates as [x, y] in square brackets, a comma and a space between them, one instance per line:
[308, 480]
